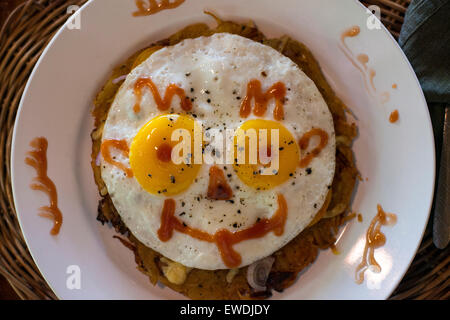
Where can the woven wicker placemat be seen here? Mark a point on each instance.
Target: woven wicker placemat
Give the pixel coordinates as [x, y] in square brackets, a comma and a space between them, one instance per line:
[23, 37]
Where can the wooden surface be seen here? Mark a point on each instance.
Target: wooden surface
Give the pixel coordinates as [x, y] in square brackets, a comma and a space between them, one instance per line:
[6, 291]
[6, 7]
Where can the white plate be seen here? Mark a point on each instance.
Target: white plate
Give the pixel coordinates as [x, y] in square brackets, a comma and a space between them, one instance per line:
[398, 159]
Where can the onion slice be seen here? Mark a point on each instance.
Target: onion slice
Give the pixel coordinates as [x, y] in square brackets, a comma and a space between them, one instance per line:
[118, 79]
[98, 159]
[258, 272]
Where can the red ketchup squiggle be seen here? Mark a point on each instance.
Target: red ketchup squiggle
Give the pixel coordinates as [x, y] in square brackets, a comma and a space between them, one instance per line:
[37, 158]
[223, 238]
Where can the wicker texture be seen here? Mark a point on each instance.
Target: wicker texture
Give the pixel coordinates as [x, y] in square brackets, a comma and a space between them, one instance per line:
[392, 13]
[23, 37]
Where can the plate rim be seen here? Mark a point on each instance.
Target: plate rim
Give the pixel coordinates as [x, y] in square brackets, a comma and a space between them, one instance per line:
[424, 101]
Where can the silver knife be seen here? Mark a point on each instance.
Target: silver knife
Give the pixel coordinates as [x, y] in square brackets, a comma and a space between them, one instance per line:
[441, 222]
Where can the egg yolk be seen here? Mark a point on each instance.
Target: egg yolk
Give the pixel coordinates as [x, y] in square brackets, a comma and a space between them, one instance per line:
[264, 172]
[153, 155]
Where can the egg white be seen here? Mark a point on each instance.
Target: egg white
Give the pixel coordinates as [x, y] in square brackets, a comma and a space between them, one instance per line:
[218, 68]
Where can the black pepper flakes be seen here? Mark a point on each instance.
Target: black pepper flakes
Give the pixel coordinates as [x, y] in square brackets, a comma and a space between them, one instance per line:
[308, 170]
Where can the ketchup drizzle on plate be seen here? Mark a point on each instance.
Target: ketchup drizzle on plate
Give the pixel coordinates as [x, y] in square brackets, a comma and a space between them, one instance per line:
[37, 158]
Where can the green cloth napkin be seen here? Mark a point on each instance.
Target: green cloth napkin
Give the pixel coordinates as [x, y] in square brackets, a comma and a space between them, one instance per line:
[425, 39]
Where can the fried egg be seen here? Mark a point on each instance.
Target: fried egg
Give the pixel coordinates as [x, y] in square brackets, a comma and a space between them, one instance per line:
[214, 74]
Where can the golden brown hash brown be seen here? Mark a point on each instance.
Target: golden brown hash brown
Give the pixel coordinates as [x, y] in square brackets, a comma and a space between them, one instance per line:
[302, 250]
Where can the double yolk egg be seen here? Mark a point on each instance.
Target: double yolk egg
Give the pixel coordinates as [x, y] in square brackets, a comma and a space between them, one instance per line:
[154, 147]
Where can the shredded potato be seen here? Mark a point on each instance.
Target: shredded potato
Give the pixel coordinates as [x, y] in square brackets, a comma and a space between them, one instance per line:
[293, 257]
[231, 274]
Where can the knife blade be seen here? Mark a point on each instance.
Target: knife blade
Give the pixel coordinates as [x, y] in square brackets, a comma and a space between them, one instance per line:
[441, 222]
